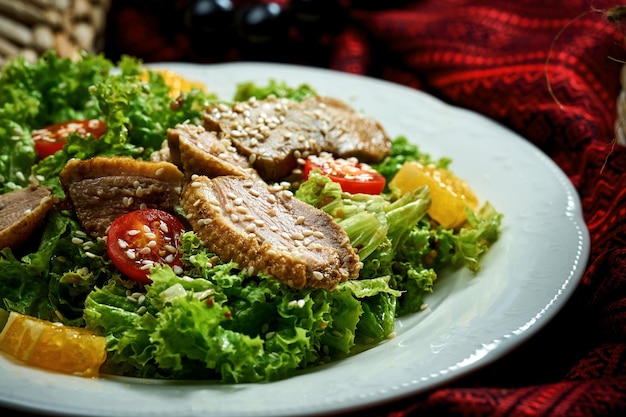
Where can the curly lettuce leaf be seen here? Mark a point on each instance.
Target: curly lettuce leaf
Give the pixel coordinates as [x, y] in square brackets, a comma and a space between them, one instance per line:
[52, 282]
[273, 88]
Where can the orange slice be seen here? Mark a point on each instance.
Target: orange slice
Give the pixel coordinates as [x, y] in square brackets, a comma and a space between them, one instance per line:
[53, 346]
[176, 82]
[450, 194]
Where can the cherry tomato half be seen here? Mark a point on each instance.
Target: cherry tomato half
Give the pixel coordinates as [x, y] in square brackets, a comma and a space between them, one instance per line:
[353, 176]
[138, 240]
[53, 138]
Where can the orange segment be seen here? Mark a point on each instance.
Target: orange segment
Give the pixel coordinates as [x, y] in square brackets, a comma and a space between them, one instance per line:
[53, 346]
[176, 82]
[450, 194]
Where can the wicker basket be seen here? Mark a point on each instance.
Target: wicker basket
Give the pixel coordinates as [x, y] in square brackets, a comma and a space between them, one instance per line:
[31, 27]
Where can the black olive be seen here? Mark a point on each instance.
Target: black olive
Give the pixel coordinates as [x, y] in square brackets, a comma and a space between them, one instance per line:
[262, 23]
[209, 16]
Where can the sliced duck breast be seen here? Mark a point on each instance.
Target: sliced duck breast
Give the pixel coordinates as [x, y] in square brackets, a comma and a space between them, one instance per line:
[198, 151]
[101, 189]
[21, 213]
[276, 134]
[265, 229]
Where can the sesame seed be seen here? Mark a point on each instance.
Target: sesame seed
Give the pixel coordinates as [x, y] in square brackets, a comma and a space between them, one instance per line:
[163, 227]
[250, 227]
[234, 218]
[300, 220]
[122, 243]
[90, 255]
[77, 241]
[145, 250]
[170, 248]
[158, 172]
[196, 184]
[254, 192]
[318, 275]
[142, 310]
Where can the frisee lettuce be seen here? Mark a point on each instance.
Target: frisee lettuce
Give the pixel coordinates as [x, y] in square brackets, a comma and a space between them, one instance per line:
[218, 321]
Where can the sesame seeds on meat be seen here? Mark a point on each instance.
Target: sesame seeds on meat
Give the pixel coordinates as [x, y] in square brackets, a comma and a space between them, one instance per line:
[265, 229]
[277, 134]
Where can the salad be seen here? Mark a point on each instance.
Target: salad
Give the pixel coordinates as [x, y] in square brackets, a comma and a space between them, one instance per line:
[200, 316]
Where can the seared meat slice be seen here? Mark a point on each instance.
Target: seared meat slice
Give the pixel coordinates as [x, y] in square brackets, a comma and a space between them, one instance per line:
[102, 189]
[348, 133]
[271, 133]
[198, 151]
[21, 213]
[266, 229]
[274, 134]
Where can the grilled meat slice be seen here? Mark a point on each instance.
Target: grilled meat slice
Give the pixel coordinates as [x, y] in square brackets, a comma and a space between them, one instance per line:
[266, 229]
[21, 213]
[198, 151]
[348, 133]
[101, 189]
[274, 134]
[271, 133]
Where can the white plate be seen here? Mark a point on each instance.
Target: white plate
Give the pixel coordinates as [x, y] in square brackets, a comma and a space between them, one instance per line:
[471, 320]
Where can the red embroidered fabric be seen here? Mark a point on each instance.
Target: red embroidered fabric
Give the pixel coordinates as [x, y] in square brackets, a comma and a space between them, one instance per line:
[547, 69]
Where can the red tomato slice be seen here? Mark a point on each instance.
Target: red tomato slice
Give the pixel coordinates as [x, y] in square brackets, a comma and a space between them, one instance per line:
[53, 138]
[353, 176]
[142, 238]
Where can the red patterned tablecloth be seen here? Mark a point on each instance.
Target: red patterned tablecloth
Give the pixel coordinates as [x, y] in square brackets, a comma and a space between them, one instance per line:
[547, 69]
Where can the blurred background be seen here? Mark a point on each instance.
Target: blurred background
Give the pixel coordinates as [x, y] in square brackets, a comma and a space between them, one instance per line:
[308, 32]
